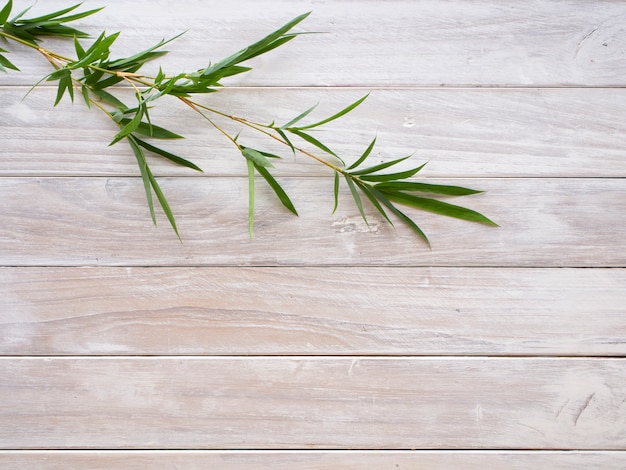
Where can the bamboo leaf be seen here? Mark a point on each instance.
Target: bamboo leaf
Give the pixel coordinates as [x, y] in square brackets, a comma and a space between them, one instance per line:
[336, 191]
[143, 168]
[6, 63]
[392, 176]
[129, 126]
[299, 117]
[382, 166]
[286, 139]
[163, 201]
[362, 158]
[411, 186]
[280, 192]
[153, 131]
[365, 189]
[256, 157]
[250, 164]
[5, 12]
[401, 215]
[85, 92]
[439, 207]
[170, 156]
[344, 111]
[356, 197]
[312, 140]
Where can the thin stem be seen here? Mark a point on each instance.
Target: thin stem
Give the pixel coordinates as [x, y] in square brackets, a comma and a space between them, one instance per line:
[259, 128]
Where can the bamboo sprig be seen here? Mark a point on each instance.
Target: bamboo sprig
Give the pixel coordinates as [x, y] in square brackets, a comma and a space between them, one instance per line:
[93, 74]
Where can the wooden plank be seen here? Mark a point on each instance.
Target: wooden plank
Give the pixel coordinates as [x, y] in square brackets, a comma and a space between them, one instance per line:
[397, 311]
[381, 43]
[312, 460]
[87, 221]
[280, 403]
[460, 132]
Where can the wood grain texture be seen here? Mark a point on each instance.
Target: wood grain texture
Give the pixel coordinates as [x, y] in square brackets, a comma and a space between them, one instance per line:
[279, 403]
[285, 311]
[312, 460]
[478, 42]
[105, 221]
[460, 132]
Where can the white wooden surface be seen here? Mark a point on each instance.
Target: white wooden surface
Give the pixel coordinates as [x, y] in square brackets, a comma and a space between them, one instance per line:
[322, 344]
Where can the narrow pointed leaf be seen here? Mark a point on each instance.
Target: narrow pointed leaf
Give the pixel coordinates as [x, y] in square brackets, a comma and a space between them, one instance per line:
[85, 92]
[401, 215]
[344, 111]
[286, 139]
[80, 52]
[143, 168]
[299, 117]
[129, 125]
[365, 189]
[357, 198]
[366, 154]
[411, 186]
[5, 12]
[153, 131]
[439, 207]
[6, 63]
[336, 191]
[391, 176]
[256, 157]
[382, 166]
[163, 201]
[170, 156]
[250, 165]
[109, 98]
[280, 192]
[312, 140]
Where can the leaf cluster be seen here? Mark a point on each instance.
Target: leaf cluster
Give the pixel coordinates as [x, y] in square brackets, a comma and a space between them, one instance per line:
[93, 72]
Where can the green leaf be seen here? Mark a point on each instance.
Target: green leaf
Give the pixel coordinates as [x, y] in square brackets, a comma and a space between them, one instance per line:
[336, 191]
[344, 111]
[170, 156]
[312, 140]
[286, 139]
[80, 52]
[392, 176]
[65, 83]
[6, 63]
[129, 125]
[109, 98]
[163, 201]
[255, 156]
[250, 164]
[143, 168]
[382, 166]
[426, 188]
[401, 215]
[439, 207]
[280, 192]
[299, 117]
[365, 189]
[366, 154]
[153, 131]
[85, 92]
[357, 198]
[5, 12]
[150, 183]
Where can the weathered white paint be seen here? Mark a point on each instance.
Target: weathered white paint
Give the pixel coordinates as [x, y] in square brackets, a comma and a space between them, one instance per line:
[552, 159]
[371, 310]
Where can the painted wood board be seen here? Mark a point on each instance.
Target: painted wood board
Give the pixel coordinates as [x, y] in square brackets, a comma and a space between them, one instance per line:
[280, 403]
[425, 42]
[312, 311]
[313, 460]
[554, 132]
[104, 221]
